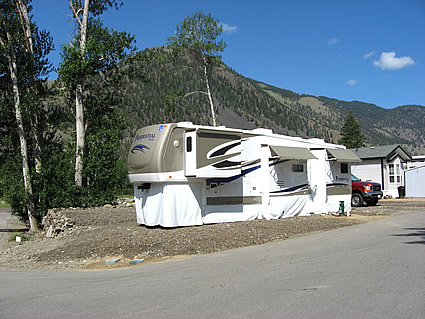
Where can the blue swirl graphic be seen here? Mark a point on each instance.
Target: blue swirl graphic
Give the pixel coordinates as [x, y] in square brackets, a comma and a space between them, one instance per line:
[139, 148]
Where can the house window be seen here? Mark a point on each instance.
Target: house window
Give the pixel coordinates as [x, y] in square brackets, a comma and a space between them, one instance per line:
[344, 168]
[391, 172]
[298, 168]
[397, 170]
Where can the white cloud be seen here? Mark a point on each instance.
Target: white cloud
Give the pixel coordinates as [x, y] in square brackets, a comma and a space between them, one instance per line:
[229, 28]
[351, 82]
[333, 41]
[369, 54]
[388, 61]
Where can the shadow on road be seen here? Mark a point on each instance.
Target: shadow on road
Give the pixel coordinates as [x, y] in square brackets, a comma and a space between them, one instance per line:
[415, 232]
[16, 230]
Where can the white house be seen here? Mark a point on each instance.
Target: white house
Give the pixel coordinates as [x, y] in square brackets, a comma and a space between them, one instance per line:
[383, 164]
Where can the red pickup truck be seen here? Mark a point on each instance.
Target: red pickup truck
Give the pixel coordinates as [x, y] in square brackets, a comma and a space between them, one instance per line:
[364, 192]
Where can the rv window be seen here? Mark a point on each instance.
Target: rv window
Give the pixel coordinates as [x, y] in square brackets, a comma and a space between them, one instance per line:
[144, 186]
[298, 168]
[344, 168]
[189, 144]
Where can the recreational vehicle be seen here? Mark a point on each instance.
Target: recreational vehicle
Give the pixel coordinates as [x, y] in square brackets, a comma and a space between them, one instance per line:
[185, 174]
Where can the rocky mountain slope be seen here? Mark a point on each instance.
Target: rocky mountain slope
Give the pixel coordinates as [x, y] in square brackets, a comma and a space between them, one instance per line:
[154, 94]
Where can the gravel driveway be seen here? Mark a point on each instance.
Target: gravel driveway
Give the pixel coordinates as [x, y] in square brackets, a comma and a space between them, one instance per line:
[99, 234]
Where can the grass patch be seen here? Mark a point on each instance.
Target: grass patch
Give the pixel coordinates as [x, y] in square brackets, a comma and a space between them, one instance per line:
[4, 204]
[24, 237]
[126, 196]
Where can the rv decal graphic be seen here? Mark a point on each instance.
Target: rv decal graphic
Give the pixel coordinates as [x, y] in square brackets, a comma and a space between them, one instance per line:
[222, 150]
[148, 136]
[214, 182]
[336, 184]
[292, 189]
[230, 164]
[140, 148]
[227, 164]
[274, 162]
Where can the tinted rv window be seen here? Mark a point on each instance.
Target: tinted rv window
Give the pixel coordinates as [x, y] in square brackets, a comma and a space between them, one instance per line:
[344, 168]
[298, 168]
[189, 144]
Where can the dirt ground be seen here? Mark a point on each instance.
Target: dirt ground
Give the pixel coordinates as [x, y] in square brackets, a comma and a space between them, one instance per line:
[101, 234]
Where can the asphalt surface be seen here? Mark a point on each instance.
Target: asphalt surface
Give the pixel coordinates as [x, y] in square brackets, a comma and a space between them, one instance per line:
[372, 270]
[4, 217]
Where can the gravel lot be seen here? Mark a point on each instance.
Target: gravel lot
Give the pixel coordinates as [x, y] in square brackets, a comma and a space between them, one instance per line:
[101, 234]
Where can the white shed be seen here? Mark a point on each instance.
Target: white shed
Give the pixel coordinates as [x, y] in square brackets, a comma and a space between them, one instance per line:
[415, 182]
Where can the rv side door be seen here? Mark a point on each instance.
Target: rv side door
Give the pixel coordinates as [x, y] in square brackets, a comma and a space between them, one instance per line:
[190, 154]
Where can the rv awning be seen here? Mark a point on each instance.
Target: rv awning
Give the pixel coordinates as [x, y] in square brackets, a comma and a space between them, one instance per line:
[294, 153]
[343, 156]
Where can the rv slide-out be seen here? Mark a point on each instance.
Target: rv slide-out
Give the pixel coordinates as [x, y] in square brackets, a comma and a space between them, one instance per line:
[185, 174]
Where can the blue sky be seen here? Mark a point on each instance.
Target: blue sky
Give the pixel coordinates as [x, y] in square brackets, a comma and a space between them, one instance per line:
[371, 51]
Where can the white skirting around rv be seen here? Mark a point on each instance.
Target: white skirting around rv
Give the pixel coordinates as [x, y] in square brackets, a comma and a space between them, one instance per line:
[183, 204]
[287, 206]
[169, 205]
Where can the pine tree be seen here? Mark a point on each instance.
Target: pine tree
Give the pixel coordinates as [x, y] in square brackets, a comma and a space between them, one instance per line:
[352, 135]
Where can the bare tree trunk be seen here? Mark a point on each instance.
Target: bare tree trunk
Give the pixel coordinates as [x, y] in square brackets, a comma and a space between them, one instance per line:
[23, 14]
[26, 27]
[79, 109]
[22, 139]
[209, 92]
[81, 133]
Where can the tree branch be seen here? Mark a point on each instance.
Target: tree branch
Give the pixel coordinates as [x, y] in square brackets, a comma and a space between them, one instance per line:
[75, 13]
[195, 92]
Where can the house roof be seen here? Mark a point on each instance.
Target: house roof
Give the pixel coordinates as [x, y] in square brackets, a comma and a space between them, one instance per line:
[381, 151]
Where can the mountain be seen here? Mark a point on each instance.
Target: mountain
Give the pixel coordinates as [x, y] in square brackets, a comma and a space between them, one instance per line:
[154, 90]
[401, 125]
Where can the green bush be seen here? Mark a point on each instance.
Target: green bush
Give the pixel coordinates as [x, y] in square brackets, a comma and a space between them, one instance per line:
[12, 187]
[105, 175]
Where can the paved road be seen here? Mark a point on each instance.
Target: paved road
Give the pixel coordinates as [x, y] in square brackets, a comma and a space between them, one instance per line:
[374, 270]
[4, 216]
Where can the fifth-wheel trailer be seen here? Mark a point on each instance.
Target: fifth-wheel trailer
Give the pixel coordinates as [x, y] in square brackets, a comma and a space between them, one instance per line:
[186, 174]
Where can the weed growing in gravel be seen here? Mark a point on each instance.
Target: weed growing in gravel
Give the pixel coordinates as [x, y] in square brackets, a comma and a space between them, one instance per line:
[24, 237]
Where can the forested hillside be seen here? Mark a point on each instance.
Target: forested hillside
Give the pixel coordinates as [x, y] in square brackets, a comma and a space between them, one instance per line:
[403, 124]
[155, 94]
